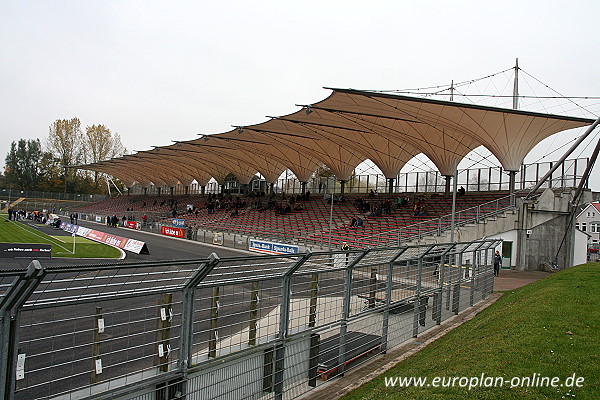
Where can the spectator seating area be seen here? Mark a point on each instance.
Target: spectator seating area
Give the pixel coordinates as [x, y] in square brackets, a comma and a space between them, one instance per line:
[297, 219]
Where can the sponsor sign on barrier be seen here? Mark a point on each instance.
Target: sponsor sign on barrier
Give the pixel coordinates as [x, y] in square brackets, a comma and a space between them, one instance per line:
[132, 245]
[175, 232]
[69, 227]
[218, 238]
[96, 235]
[132, 224]
[25, 250]
[261, 246]
[178, 222]
[99, 219]
[135, 246]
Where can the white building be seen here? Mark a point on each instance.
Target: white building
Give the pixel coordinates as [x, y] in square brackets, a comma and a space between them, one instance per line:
[588, 221]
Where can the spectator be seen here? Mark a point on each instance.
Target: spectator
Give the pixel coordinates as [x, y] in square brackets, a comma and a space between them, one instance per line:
[497, 263]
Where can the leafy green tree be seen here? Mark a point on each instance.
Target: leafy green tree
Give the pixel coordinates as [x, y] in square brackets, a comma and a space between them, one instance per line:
[22, 164]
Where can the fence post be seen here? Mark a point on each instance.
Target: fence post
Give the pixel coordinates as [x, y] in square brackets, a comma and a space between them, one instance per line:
[417, 303]
[372, 287]
[284, 320]
[187, 315]
[96, 360]
[165, 315]
[346, 312]
[253, 314]
[10, 305]
[448, 272]
[214, 323]
[313, 357]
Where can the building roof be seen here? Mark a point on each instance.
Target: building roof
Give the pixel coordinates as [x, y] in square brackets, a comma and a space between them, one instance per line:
[341, 131]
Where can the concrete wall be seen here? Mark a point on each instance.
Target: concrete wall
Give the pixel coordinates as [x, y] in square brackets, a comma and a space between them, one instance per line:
[509, 236]
[541, 229]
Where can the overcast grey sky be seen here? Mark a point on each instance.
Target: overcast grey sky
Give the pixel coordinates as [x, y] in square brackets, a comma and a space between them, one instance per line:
[160, 71]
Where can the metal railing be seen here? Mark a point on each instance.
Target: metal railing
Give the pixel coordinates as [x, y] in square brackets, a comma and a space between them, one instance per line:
[436, 226]
[261, 327]
[473, 179]
[13, 194]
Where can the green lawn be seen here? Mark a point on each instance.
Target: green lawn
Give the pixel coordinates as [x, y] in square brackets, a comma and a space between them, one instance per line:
[62, 246]
[526, 331]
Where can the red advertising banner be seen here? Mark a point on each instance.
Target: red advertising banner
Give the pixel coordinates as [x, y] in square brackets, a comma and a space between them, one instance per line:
[132, 245]
[96, 235]
[115, 241]
[170, 231]
[131, 224]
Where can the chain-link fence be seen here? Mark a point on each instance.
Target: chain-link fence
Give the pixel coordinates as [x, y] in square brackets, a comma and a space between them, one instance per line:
[259, 327]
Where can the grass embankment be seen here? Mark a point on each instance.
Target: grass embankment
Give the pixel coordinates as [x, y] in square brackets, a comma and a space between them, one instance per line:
[526, 331]
[62, 246]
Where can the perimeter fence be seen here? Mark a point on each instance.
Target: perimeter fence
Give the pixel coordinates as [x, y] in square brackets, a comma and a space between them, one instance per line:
[256, 327]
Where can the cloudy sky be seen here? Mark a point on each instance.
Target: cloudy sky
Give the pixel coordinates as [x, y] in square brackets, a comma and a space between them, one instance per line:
[160, 71]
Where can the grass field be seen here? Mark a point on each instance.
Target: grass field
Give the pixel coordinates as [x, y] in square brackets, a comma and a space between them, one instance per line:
[550, 327]
[62, 246]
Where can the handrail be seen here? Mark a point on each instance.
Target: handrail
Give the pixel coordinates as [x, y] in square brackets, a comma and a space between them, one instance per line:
[423, 228]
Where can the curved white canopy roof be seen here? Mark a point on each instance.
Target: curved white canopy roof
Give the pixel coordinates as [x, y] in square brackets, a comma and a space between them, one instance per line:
[342, 131]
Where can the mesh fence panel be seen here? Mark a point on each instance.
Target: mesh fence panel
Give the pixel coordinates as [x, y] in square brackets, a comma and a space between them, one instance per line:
[237, 328]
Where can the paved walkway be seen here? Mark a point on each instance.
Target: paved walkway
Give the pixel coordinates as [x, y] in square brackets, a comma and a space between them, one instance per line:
[510, 279]
[334, 389]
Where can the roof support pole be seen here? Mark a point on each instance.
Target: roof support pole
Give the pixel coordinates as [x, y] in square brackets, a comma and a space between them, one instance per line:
[512, 175]
[447, 188]
[586, 173]
[222, 189]
[303, 185]
[390, 186]
[564, 157]
[342, 186]
[516, 86]
[271, 188]
[453, 219]
[202, 189]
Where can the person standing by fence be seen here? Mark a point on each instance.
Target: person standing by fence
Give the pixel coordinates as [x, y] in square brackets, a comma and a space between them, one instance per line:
[497, 263]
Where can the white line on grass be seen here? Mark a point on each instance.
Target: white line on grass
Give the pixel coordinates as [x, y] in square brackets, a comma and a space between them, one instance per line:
[34, 232]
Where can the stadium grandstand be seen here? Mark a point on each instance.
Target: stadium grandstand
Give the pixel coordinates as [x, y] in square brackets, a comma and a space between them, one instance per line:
[405, 251]
[296, 178]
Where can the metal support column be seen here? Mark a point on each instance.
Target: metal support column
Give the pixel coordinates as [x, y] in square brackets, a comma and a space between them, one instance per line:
[346, 311]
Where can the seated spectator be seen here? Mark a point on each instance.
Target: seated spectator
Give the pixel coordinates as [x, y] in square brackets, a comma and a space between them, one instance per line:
[461, 191]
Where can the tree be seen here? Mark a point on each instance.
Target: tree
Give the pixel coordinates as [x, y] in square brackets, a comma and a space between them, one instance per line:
[51, 173]
[22, 163]
[100, 144]
[65, 142]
